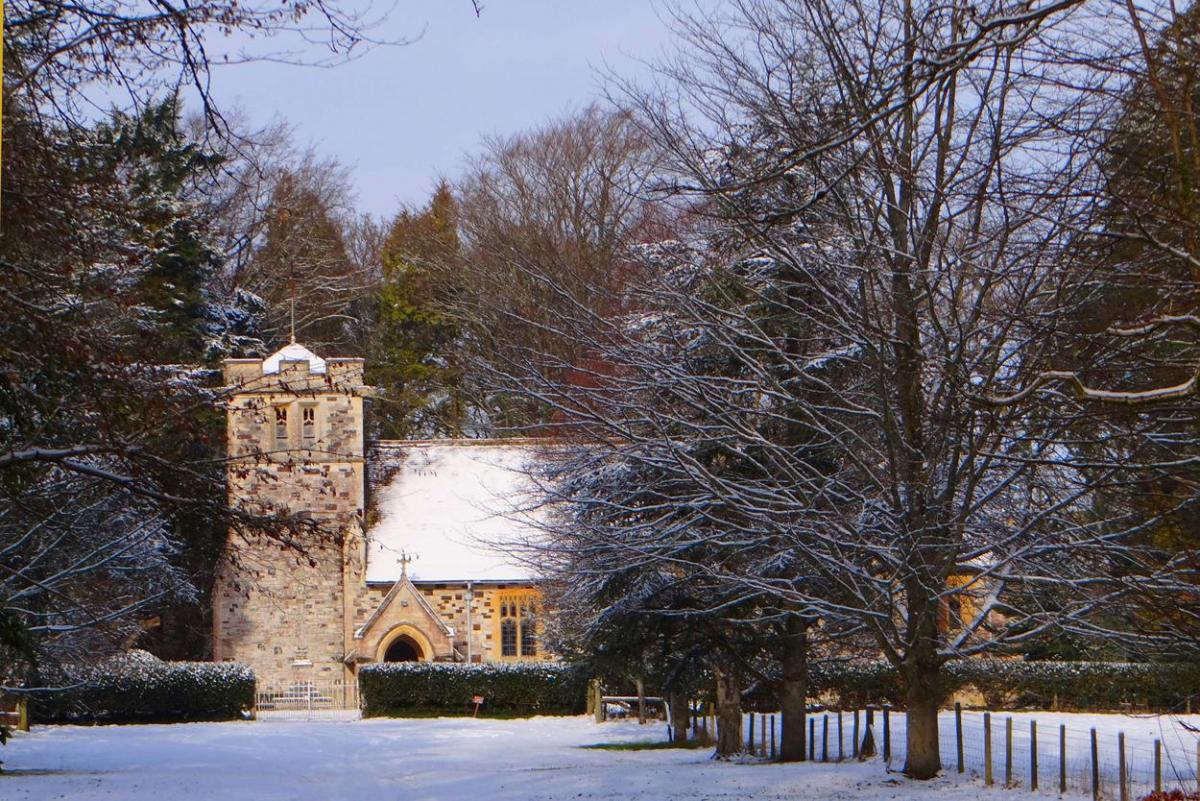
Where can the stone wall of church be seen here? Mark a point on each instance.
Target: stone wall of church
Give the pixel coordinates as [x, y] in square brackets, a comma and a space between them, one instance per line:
[450, 601]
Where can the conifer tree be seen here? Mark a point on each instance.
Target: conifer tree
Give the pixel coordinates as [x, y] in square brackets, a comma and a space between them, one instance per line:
[413, 358]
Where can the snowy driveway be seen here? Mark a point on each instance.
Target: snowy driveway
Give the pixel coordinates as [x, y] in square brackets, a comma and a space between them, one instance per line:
[444, 759]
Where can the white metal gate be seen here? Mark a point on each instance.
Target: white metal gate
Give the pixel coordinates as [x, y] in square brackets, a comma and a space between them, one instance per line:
[310, 699]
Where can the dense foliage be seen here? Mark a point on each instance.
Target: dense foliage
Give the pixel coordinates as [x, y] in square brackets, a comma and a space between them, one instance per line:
[421, 688]
[1019, 684]
[138, 688]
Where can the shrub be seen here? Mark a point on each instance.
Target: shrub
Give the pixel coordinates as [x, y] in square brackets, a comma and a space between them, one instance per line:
[1016, 683]
[138, 688]
[523, 688]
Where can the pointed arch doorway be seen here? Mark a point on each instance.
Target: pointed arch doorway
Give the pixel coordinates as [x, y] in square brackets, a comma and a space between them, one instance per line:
[403, 649]
[404, 643]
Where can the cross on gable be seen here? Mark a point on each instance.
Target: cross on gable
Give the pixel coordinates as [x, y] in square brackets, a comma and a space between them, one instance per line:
[404, 560]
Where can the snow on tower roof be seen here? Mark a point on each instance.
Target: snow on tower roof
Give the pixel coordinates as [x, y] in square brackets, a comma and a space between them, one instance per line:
[453, 504]
[294, 352]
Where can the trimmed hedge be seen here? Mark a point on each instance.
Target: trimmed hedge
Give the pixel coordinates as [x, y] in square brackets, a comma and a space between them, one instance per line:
[1017, 684]
[138, 688]
[401, 689]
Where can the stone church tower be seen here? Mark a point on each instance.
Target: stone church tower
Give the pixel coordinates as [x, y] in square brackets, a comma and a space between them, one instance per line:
[295, 444]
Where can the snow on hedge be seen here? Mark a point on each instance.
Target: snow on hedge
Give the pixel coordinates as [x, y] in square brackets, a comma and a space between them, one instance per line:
[138, 687]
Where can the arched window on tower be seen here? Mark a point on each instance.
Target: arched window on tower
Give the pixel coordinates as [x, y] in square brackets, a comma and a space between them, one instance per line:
[281, 427]
[308, 426]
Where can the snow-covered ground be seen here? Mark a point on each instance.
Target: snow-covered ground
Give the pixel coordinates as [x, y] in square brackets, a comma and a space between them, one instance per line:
[455, 758]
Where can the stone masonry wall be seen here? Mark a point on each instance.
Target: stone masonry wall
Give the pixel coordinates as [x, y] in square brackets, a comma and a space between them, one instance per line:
[289, 612]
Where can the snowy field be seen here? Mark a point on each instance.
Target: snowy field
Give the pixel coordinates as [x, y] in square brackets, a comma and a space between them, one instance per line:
[455, 758]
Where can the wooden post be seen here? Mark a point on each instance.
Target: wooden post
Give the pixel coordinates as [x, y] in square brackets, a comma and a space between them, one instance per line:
[958, 734]
[987, 749]
[762, 733]
[841, 746]
[1121, 772]
[867, 749]
[1095, 768]
[695, 718]
[750, 735]
[812, 739]
[23, 714]
[854, 745]
[641, 694]
[825, 738]
[772, 737]
[1008, 752]
[1062, 758]
[1158, 766]
[887, 733]
[1033, 766]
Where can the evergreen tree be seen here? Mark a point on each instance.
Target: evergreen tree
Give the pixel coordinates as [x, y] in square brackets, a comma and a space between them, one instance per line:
[414, 351]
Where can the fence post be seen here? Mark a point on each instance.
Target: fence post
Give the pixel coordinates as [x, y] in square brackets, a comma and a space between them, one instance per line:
[762, 732]
[812, 739]
[772, 738]
[1008, 752]
[825, 738]
[750, 736]
[841, 746]
[1095, 768]
[1121, 772]
[854, 744]
[987, 748]
[695, 718]
[958, 734]
[22, 714]
[887, 733]
[1033, 766]
[598, 702]
[1158, 766]
[1062, 758]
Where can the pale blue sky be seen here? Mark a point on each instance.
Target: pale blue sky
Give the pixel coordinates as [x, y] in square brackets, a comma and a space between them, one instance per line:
[402, 116]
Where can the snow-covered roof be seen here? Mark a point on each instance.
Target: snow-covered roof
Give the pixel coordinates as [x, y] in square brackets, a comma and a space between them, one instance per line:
[454, 505]
[294, 352]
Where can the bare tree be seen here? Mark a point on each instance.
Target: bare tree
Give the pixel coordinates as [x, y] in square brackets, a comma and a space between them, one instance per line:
[884, 195]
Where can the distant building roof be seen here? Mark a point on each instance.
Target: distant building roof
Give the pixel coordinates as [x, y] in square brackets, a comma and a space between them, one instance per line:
[454, 504]
[293, 353]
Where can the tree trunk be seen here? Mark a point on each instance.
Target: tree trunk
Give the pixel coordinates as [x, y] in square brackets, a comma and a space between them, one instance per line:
[793, 696]
[729, 713]
[641, 702]
[680, 717]
[922, 674]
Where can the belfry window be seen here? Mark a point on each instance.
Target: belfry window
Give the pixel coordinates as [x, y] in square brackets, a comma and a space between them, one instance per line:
[518, 624]
[308, 426]
[281, 427]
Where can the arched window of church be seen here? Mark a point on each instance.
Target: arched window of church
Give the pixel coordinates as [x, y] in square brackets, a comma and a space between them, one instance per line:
[518, 624]
[528, 631]
[508, 637]
[308, 426]
[281, 426]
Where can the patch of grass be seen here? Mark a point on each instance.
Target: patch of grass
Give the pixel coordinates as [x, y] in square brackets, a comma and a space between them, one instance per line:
[658, 746]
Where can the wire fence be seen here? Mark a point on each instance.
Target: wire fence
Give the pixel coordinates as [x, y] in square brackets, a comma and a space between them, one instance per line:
[1116, 758]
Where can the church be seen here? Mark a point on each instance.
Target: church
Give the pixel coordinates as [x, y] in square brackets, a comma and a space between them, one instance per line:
[419, 573]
